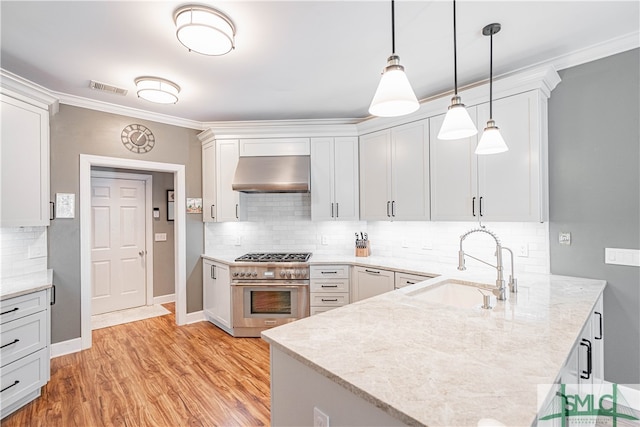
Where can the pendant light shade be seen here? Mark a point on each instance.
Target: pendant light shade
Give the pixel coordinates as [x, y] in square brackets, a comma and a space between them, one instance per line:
[394, 96]
[457, 122]
[158, 90]
[491, 141]
[204, 30]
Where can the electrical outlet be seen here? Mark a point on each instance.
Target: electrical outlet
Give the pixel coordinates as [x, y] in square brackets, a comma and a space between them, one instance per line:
[405, 243]
[427, 245]
[324, 240]
[564, 238]
[320, 419]
[37, 251]
[524, 250]
[238, 241]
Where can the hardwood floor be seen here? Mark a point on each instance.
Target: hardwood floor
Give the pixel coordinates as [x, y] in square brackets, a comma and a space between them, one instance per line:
[153, 373]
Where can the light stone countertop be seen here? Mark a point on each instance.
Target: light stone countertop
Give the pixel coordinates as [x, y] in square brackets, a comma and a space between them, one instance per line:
[21, 285]
[431, 364]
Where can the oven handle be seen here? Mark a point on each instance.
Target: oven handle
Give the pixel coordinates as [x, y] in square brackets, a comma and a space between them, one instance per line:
[271, 285]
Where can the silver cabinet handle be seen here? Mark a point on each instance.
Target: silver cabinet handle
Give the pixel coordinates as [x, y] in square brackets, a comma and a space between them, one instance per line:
[337, 214]
[213, 271]
[388, 203]
[393, 208]
[331, 210]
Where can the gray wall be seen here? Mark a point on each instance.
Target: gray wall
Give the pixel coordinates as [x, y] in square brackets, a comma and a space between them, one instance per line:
[76, 131]
[594, 179]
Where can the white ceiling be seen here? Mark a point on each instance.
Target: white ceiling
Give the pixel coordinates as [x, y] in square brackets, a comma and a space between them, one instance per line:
[293, 59]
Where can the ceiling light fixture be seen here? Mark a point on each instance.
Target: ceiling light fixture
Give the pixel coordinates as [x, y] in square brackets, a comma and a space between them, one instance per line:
[157, 90]
[491, 141]
[394, 96]
[204, 30]
[457, 124]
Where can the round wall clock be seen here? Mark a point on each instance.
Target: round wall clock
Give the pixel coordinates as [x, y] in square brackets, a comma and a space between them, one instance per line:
[138, 138]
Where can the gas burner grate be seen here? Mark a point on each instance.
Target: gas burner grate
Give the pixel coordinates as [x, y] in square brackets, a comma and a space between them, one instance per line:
[275, 257]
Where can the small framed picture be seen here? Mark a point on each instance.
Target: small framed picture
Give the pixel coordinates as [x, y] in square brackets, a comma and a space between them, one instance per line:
[170, 205]
[194, 205]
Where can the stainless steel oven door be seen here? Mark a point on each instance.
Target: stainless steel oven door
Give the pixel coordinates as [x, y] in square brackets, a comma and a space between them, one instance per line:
[265, 305]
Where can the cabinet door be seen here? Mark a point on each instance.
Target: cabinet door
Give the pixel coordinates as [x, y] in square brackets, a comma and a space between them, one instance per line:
[375, 176]
[24, 164]
[322, 179]
[346, 184]
[509, 183]
[597, 332]
[216, 293]
[453, 175]
[227, 155]
[209, 182]
[410, 171]
[369, 282]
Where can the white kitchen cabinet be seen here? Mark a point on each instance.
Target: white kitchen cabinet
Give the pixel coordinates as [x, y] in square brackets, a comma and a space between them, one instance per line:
[368, 282]
[209, 199]
[219, 160]
[394, 173]
[216, 299]
[24, 157]
[509, 186]
[407, 279]
[334, 179]
[25, 348]
[330, 287]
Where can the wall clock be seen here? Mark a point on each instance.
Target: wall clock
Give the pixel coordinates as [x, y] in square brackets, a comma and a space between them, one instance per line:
[138, 138]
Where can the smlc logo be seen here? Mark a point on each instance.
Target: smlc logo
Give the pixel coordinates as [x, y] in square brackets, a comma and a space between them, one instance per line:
[573, 405]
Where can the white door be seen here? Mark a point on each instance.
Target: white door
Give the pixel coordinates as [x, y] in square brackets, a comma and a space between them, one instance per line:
[117, 244]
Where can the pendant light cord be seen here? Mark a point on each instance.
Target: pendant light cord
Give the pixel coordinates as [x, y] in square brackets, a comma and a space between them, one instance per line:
[393, 28]
[455, 53]
[491, 76]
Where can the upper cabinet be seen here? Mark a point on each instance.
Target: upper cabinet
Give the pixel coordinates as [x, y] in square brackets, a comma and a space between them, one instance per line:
[219, 160]
[394, 173]
[509, 186]
[24, 157]
[334, 179]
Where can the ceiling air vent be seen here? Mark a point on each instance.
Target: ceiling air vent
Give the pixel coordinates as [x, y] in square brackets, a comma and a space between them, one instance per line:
[107, 88]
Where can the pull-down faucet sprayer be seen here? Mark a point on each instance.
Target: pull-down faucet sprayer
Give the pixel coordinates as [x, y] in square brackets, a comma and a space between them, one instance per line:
[500, 291]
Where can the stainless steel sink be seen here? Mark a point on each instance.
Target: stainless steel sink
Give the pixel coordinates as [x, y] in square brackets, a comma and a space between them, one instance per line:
[454, 293]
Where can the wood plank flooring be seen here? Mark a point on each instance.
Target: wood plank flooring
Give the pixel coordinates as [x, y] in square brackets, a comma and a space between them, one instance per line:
[153, 373]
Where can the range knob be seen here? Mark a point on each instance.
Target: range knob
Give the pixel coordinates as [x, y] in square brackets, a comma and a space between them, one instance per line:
[254, 274]
[283, 273]
[242, 274]
[235, 274]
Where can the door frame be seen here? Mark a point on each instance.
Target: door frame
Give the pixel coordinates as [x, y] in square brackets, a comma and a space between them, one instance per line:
[148, 222]
[180, 250]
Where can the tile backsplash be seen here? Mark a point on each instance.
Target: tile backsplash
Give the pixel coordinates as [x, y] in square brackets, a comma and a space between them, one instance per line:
[23, 250]
[282, 222]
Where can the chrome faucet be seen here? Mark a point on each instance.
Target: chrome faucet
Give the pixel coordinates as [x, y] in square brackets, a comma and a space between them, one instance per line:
[500, 291]
[513, 282]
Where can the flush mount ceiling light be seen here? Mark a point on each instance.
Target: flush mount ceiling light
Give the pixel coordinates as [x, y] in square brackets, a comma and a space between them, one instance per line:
[157, 90]
[491, 141]
[204, 30]
[394, 96]
[457, 123]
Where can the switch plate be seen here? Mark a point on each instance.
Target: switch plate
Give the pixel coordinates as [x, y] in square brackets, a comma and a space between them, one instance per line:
[156, 213]
[564, 238]
[161, 237]
[616, 256]
[320, 419]
[523, 251]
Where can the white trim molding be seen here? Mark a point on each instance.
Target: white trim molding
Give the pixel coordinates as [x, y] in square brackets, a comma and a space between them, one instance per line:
[195, 317]
[66, 347]
[164, 299]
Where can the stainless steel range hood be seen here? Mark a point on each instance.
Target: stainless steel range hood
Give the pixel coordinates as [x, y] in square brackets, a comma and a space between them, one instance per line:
[272, 174]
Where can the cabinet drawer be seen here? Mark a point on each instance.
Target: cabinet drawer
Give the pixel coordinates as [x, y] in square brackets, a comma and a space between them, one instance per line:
[15, 308]
[329, 271]
[22, 377]
[331, 300]
[330, 285]
[407, 279]
[22, 337]
[318, 310]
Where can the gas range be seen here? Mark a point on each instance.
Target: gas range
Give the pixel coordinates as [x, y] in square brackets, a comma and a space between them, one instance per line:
[269, 266]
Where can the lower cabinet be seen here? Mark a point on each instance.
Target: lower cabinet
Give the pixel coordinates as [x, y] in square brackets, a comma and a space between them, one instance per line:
[330, 287]
[216, 289]
[25, 349]
[368, 282]
[408, 279]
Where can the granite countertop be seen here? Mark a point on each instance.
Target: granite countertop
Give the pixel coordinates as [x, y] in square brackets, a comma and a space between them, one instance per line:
[20, 285]
[429, 364]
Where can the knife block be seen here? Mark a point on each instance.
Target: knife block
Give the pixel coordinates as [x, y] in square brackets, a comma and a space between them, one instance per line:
[364, 252]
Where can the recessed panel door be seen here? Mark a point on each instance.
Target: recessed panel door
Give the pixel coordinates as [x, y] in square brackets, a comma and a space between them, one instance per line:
[117, 244]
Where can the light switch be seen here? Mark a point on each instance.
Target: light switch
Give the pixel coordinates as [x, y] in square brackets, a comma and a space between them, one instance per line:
[618, 256]
[161, 237]
[156, 213]
[564, 238]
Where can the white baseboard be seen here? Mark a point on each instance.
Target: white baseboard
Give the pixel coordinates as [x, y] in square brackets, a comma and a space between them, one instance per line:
[163, 299]
[66, 347]
[194, 317]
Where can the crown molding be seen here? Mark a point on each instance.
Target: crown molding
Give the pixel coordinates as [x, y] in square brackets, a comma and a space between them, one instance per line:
[28, 90]
[283, 128]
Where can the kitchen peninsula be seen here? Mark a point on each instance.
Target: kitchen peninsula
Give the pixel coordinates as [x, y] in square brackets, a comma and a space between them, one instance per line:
[396, 359]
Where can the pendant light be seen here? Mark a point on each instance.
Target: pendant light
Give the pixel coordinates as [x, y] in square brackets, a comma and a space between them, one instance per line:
[394, 96]
[457, 124]
[491, 141]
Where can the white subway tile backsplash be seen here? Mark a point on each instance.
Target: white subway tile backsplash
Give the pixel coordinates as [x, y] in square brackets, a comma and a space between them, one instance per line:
[282, 222]
[23, 250]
